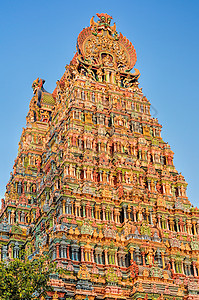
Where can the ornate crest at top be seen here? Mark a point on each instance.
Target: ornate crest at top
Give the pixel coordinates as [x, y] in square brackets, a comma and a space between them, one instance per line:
[100, 46]
[103, 24]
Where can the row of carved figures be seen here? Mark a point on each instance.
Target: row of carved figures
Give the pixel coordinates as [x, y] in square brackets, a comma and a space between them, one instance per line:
[112, 178]
[120, 147]
[119, 257]
[111, 256]
[100, 176]
[117, 122]
[133, 104]
[136, 214]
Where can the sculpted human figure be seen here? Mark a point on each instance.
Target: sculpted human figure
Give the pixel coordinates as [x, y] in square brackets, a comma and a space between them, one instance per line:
[150, 253]
[99, 74]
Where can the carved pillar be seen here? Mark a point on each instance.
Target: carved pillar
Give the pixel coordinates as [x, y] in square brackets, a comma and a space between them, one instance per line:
[182, 267]
[179, 267]
[163, 261]
[87, 214]
[82, 253]
[64, 252]
[125, 215]
[57, 250]
[12, 246]
[89, 211]
[61, 251]
[83, 209]
[143, 258]
[106, 257]
[134, 214]
[96, 212]
[92, 256]
[12, 217]
[76, 210]
[106, 213]
[19, 216]
[110, 258]
[92, 212]
[158, 254]
[116, 261]
[72, 253]
[194, 227]
[67, 208]
[68, 254]
[9, 213]
[113, 258]
[137, 255]
[103, 214]
[71, 208]
[15, 250]
[131, 252]
[171, 224]
[97, 258]
[89, 255]
[159, 223]
[63, 206]
[173, 265]
[189, 227]
[4, 252]
[115, 215]
[177, 226]
[100, 176]
[176, 266]
[185, 268]
[129, 212]
[194, 269]
[86, 255]
[112, 217]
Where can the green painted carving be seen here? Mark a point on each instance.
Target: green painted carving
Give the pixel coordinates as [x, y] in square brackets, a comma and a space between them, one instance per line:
[16, 229]
[111, 276]
[156, 272]
[194, 245]
[86, 229]
[145, 229]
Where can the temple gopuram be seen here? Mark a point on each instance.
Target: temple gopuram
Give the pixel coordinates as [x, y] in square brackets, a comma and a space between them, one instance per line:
[95, 187]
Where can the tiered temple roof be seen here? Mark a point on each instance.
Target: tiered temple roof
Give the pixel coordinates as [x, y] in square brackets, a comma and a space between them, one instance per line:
[94, 184]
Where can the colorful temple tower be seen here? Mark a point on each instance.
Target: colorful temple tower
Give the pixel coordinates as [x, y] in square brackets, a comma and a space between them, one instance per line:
[94, 184]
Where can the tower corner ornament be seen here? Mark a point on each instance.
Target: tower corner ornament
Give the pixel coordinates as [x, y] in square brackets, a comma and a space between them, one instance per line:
[95, 187]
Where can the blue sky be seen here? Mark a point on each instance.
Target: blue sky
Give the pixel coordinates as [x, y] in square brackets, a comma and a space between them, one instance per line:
[38, 39]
